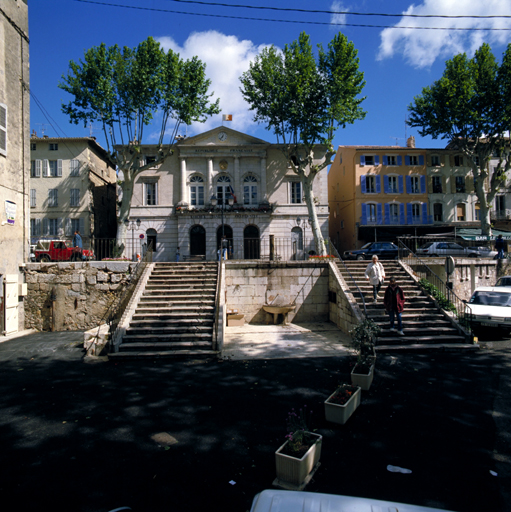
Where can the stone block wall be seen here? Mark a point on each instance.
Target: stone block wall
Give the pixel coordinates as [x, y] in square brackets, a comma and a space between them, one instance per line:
[72, 296]
[251, 285]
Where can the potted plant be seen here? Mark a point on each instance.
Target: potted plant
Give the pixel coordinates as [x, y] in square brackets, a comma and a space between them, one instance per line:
[342, 403]
[298, 458]
[363, 340]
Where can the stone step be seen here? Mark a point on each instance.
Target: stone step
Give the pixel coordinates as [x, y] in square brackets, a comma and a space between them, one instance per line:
[407, 339]
[146, 352]
[419, 332]
[171, 315]
[197, 295]
[176, 330]
[183, 308]
[169, 338]
[158, 323]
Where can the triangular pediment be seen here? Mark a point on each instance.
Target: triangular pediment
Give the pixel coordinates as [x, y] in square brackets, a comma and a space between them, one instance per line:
[221, 137]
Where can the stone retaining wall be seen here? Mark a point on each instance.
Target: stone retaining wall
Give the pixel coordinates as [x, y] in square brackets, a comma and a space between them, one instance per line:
[82, 293]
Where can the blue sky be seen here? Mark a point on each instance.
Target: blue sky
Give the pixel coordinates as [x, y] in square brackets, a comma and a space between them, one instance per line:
[397, 62]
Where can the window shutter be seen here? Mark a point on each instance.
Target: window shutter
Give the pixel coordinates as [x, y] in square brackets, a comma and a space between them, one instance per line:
[428, 160]
[453, 184]
[46, 168]
[362, 160]
[377, 180]
[402, 214]
[430, 184]
[469, 181]
[423, 184]
[59, 168]
[409, 213]
[156, 193]
[399, 160]
[82, 225]
[32, 198]
[385, 160]
[363, 183]
[364, 215]
[37, 227]
[387, 213]
[408, 184]
[421, 159]
[378, 214]
[38, 165]
[3, 129]
[60, 231]
[407, 160]
[46, 227]
[425, 213]
[67, 227]
[386, 184]
[400, 183]
[376, 159]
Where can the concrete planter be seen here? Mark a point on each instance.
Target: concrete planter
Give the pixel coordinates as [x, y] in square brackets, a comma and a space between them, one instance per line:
[294, 473]
[362, 379]
[337, 413]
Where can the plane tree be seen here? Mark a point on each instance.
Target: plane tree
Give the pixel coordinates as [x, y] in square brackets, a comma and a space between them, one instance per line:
[470, 107]
[304, 98]
[128, 89]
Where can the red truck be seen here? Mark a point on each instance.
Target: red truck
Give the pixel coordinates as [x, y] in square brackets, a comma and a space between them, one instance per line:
[58, 250]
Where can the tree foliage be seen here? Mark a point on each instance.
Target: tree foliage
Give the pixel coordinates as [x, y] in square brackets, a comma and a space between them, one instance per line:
[470, 106]
[126, 90]
[303, 99]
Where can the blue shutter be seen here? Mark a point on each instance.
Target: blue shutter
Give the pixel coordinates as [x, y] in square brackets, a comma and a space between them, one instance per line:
[363, 183]
[409, 213]
[387, 213]
[386, 184]
[385, 160]
[377, 180]
[421, 159]
[362, 160]
[424, 213]
[407, 160]
[376, 159]
[408, 184]
[399, 160]
[423, 184]
[378, 214]
[400, 183]
[402, 214]
[364, 215]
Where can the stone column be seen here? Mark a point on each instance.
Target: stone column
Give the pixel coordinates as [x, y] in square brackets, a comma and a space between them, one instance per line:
[209, 185]
[183, 198]
[262, 197]
[237, 186]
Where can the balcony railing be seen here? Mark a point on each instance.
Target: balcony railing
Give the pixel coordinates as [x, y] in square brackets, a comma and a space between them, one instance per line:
[500, 214]
[395, 221]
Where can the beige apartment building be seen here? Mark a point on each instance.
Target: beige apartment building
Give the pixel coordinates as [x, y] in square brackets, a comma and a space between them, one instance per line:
[185, 202]
[14, 162]
[72, 187]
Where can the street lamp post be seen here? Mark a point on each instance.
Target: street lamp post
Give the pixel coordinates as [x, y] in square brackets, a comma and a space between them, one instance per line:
[133, 225]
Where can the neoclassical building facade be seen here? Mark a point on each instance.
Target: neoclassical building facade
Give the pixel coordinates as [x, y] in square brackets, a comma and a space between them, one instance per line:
[225, 183]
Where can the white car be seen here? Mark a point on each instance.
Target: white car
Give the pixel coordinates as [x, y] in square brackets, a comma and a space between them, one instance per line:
[490, 306]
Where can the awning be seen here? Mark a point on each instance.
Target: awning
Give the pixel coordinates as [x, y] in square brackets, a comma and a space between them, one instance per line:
[475, 234]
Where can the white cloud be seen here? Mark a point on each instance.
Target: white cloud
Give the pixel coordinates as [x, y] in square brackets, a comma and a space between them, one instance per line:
[338, 19]
[226, 58]
[420, 48]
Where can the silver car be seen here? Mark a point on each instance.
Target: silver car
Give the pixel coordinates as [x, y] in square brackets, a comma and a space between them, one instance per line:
[453, 249]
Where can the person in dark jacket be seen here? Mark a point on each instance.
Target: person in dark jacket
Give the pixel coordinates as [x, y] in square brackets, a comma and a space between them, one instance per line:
[394, 302]
[500, 247]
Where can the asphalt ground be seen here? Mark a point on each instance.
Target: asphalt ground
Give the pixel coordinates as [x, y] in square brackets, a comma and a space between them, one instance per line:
[157, 435]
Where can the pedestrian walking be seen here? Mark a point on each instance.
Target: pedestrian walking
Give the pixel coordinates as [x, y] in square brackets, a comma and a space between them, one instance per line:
[224, 244]
[394, 302]
[78, 245]
[500, 247]
[376, 275]
[177, 255]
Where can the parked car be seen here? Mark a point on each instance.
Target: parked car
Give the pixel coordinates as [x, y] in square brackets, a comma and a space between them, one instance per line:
[490, 306]
[503, 281]
[434, 249]
[384, 250]
[58, 250]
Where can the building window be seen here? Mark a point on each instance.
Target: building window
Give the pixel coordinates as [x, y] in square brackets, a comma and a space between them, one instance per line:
[250, 191]
[438, 215]
[414, 160]
[35, 227]
[52, 168]
[52, 227]
[437, 184]
[3, 129]
[416, 213]
[53, 147]
[370, 184]
[391, 160]
[477, 211]
[35, 168]
[75, 197]
[223, 189]
[393, 185]
[435, 161]
[369, 160]
[150, 193]
[53, 197]
[460, 184]
[415, 186]
[500, 204]
[196, 191]
[394, 213]
[296, 192]
[32, 198]
[371, 213]
[74, 168]
[458, 160]
[33, 146]
[150, 160]
[460, 212]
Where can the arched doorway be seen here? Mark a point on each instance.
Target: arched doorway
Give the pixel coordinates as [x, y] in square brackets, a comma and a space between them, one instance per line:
[197, 241]
[151, 239]
[227, 230]
[297, 243]
[251, 243]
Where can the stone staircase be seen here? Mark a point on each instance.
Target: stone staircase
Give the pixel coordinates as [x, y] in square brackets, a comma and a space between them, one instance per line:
[175, 315]
[424, 325]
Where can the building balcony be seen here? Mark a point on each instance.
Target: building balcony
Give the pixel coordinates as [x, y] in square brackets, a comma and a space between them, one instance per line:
[500, 214]
[396, 221]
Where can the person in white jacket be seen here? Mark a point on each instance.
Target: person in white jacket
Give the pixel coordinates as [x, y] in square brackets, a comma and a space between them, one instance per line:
[376, 274]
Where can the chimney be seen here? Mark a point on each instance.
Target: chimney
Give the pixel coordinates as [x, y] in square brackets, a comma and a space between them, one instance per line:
[410, 143]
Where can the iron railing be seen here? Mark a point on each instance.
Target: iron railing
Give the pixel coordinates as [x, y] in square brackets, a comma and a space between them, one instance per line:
[432, 284]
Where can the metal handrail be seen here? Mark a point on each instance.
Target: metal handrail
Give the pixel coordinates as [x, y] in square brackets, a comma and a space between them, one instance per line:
[332, 247]
[217, 301]
[421, 267]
